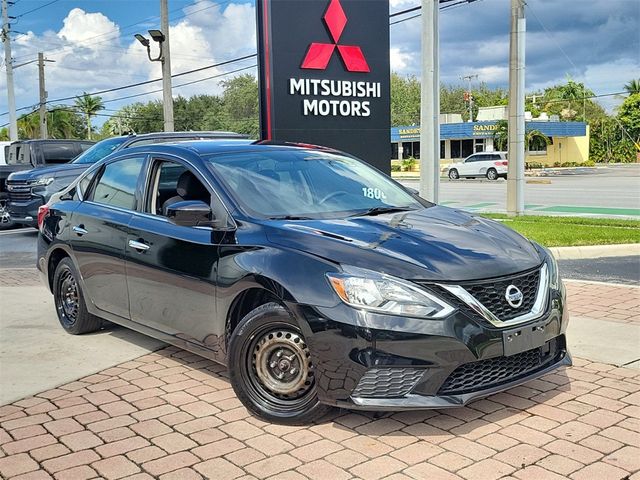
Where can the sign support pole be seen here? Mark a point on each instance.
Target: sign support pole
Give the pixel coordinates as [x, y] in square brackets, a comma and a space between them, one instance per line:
[515, 172]
[430, 103]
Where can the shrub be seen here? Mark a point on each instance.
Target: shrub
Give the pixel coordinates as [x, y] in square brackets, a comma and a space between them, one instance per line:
[409, 163]
[395, 167]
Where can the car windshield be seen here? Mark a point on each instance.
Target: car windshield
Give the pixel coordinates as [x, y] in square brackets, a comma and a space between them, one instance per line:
[99, 150]
[299, 184]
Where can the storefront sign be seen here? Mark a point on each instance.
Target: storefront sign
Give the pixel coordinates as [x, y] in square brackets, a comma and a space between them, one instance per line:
[324, 74]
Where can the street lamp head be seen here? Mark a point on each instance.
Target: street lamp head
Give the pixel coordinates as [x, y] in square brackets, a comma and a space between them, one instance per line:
[144, 41]
[157, 36]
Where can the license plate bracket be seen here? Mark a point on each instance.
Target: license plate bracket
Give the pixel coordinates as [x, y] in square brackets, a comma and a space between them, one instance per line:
[518, 340]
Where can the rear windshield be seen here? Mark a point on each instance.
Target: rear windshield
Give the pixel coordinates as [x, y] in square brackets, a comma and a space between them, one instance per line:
[100, 150]
[59, 152]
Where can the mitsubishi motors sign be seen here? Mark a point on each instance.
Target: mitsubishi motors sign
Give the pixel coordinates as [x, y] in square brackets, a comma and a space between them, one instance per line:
[324, 75]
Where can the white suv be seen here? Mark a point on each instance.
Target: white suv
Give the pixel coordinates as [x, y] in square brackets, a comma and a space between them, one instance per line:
[492, 165]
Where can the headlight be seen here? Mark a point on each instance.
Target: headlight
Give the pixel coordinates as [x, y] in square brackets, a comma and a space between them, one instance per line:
[554, 273]
[41, 182]
[385, 294]
[552, 266]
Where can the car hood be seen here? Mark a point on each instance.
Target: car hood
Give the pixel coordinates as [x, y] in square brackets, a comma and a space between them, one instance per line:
[62, 170]
[435, 243]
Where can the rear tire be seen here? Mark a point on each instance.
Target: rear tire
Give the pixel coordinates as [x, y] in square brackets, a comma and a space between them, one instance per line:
[270, 368]
[69, 301]
[453, 174]
[492, 174]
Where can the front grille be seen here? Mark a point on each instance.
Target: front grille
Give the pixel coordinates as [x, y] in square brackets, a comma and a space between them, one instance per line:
[20, 191]
[20, 196]
[493, 372]
[387, 382]
[491, 294]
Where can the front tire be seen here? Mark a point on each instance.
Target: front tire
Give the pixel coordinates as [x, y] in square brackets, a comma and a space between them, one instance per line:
[69, 301]
[5, 218]
[492, 174]
[453, 174]
[271, 370]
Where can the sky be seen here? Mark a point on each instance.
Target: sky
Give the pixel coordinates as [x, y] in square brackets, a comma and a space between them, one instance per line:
[92, 46]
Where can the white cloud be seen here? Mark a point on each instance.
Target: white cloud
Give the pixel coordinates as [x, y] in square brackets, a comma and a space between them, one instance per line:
[91, 53]
[401, 60]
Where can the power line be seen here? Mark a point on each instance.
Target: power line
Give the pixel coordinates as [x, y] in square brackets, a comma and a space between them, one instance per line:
[36, 9]
[449, 3]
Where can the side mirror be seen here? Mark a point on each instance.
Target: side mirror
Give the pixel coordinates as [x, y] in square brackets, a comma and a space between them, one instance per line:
[190, 213]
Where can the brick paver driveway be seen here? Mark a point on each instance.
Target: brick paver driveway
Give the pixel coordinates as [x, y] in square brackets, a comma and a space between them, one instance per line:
[172, 415]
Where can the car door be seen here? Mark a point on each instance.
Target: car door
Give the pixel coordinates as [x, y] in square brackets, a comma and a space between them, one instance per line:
[171, 269]
[467, 166]
[99, 228]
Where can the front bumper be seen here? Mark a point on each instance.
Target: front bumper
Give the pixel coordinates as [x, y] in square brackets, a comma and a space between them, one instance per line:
[25, 212]
[379, 362]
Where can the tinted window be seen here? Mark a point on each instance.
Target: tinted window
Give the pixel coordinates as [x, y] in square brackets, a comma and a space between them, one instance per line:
[99, 150]
[59, 152]
[117, 184]
[19, 154]
[306, 183]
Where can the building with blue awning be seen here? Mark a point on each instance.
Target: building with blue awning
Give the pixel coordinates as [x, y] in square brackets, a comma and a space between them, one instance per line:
[569, 141]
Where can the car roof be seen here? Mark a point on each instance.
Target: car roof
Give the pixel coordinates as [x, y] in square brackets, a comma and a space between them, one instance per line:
[210, 133]
[211, 147]
[54, 140]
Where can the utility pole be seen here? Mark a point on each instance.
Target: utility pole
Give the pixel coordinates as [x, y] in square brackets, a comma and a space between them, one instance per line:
[43, 97]
[8, 61]
[515, 173]
[468, 78]
[167, 95]
[430, 103]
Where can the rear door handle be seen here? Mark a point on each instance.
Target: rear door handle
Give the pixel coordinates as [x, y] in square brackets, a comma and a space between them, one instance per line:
[80, 230]
[141, 247]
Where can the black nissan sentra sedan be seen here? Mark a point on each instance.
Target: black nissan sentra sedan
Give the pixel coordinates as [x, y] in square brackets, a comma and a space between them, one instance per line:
[318, 280]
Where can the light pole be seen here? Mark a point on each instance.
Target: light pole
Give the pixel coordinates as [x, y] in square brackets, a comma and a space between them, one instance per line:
[163, 56]
[515, 170]
[43, 92]
[430, 104]
[8, 61]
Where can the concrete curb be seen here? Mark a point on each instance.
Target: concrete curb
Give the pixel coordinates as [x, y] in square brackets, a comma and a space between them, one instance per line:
[596, 251]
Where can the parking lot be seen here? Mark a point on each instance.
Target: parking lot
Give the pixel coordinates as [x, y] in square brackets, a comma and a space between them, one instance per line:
[114, 406]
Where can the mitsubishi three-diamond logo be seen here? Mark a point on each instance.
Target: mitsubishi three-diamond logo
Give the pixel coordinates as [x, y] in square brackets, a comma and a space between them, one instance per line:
[319, 54]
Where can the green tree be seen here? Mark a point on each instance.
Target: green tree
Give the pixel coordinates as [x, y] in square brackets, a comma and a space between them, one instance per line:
[405, 100]
[89, 105]
[239, 105]
[633, 86]
[571, 101]
[629, 117]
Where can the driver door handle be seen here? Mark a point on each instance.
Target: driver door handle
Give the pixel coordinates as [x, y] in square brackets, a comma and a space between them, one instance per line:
[141, 247]
[80, 230]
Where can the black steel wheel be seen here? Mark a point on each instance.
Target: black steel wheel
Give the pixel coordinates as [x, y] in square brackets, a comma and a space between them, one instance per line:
[69, 301]
[453, 174]
[271, 369]
[492, 174]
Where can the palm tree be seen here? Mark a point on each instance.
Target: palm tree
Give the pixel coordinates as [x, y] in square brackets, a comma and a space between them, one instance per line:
[89, 105]
[531, 137]
[633, 86]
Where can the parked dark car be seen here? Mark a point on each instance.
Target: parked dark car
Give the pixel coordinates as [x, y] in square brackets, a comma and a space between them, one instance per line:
[31, 188]
[318, 280]
[34, 154]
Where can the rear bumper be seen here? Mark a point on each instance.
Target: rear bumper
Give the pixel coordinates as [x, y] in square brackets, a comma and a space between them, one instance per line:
[378, 362]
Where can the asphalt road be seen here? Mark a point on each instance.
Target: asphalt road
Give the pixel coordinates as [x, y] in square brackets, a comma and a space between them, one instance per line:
[18, 250]
[602, 191]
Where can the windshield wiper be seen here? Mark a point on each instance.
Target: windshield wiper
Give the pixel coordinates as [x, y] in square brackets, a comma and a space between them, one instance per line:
[290, 217]
[381, 210]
